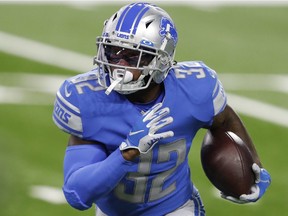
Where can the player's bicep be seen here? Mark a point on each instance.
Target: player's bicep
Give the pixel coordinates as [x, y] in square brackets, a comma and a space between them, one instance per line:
[227, 119]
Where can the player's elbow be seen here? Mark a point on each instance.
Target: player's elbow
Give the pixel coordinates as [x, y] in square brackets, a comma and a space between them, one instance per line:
[73, 198]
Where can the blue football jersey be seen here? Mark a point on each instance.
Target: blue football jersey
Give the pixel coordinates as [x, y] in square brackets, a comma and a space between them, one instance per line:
[161, 182]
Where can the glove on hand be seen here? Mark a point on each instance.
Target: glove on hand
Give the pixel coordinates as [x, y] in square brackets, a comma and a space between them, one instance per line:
[262, 182]
[143, 135]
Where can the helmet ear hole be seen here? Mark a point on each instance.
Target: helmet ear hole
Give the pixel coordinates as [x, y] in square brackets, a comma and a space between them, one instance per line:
[115, 16]
[105, 22]
[148, 23]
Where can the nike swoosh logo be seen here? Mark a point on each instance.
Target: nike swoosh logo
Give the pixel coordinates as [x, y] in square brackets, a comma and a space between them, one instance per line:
[67, 93]
[135, 132]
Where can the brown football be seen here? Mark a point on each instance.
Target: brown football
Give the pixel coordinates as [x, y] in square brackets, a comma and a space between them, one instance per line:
[227, 162]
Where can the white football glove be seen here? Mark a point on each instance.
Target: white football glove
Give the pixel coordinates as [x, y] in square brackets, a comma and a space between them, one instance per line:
[143, 135]
[262, 182]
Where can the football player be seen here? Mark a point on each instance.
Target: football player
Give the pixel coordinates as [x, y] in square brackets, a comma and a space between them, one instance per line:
[133, 118]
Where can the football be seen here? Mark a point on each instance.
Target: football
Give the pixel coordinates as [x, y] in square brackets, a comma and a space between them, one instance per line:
[227, 163]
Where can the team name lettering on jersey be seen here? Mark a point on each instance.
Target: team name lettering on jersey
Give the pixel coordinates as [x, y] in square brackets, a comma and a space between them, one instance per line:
[67, 116]
[64, 116]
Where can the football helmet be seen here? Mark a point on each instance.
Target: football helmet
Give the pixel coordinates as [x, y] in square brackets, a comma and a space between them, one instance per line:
[143, 35]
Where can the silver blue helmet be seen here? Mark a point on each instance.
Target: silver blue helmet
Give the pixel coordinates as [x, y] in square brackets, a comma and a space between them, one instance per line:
[146, 36]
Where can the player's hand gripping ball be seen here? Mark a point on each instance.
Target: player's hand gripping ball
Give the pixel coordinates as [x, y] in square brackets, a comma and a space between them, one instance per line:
[228, 164]
[262, 182]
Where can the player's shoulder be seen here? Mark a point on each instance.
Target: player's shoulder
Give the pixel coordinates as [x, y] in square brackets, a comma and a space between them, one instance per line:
[196, 78]
[194, 71]
[80, 83]
[200, 85]
[72, 101]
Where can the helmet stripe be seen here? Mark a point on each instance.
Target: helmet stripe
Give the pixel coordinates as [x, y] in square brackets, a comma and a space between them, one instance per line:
[120, 21]
[131, 17]
[139, 18]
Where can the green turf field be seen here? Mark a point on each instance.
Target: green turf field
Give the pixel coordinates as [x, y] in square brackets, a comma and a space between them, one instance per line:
[232, 40]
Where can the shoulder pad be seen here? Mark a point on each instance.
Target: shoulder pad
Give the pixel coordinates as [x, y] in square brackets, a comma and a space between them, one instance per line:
[66, 113]
[194, 69]
[202, 84]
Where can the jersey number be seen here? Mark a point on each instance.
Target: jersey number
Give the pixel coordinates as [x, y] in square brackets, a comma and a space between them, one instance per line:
[190, 68]
[140, 192]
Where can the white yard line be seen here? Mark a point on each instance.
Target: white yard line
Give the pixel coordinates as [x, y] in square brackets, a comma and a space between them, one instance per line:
[44, 53]
[48, 194]
[259, 110]
[55, 56]
[49, 84]
[255, 82]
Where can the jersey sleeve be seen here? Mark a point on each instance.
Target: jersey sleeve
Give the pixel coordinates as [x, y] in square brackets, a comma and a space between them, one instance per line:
[219, 98]
[216, 95]
[66, 113]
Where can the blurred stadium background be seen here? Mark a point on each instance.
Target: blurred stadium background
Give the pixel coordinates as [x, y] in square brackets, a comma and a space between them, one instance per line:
[42, 44]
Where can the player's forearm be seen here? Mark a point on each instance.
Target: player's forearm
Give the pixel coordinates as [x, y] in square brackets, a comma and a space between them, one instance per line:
[230, 121]
[238, 127]
[88, 183]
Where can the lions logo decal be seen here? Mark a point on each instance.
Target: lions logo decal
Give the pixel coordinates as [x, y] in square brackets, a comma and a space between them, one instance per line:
[164, 24]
